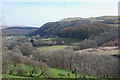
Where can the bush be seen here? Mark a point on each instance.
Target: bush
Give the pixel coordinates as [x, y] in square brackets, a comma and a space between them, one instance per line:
[88, 44]
[26, 48]
[76, 48]
[20, 70]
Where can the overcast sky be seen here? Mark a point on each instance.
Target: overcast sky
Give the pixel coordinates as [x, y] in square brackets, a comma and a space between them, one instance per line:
[39, 12]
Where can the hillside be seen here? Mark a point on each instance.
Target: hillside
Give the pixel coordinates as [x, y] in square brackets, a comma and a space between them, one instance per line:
[17, 31]
[91, 18]
[3, 27]
[73, 19]
[53, 29]
[111, 20]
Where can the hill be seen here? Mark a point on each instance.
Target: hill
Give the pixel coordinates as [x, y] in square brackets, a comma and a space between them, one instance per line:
[53, 29]
[17, 31]
[3, 27]
[72, 19]
[111, 20]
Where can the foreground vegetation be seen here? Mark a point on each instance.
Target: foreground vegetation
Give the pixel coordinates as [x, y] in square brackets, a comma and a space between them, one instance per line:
[55, 61]
[54, 73]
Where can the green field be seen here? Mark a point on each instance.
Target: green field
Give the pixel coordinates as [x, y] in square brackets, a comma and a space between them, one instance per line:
[55, 47]
[12, 76]
[66, 40]
[112, 52]
[22, 67]
[54, 73]
[9, 37]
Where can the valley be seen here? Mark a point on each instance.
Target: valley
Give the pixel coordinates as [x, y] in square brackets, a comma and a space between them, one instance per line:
[75, 48]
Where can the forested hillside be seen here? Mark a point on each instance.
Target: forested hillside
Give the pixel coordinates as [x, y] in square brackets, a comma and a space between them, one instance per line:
[52, 29]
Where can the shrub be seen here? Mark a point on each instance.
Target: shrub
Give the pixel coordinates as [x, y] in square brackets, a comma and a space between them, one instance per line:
[88, 44]
[20, 70]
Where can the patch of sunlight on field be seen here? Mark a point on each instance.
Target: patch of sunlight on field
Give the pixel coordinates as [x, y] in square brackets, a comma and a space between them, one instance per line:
[84, 50]
[66, 40]
[47, 39]
[55, 47]
[7, 37]
[54, 73]
[111, 52]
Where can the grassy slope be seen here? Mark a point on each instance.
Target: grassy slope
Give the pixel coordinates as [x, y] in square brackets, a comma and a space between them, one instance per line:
[66, 40]
[103, 18]
[56, 47]
[109, 52]
[12, 76]
[7, 37]
[23, 67]
[54, 73]
[112, 52]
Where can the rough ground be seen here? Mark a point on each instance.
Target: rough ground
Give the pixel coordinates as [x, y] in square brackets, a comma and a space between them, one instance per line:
[102, 50]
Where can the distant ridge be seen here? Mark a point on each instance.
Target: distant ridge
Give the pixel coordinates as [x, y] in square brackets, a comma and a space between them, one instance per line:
[72, 19]
[3, 27]
[17, 30]
[55, 28]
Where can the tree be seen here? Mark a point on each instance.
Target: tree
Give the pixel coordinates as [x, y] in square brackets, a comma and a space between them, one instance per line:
[36, 67]
[20, 70]
[84, 31]
[88, 44]
[26, 48]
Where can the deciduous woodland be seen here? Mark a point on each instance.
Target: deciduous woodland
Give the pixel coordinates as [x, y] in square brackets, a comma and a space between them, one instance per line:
[70, 48]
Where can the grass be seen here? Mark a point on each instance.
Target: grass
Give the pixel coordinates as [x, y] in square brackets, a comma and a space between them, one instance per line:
[22, 67]
[84, 50]
[9, 37]
[46, 39]
[12, 76]
[54, 73]
[111, 52]
[21, 78]
[66, 40]
[55, 47]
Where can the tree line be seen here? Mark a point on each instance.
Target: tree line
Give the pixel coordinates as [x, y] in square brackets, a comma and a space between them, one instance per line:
[84, 31]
